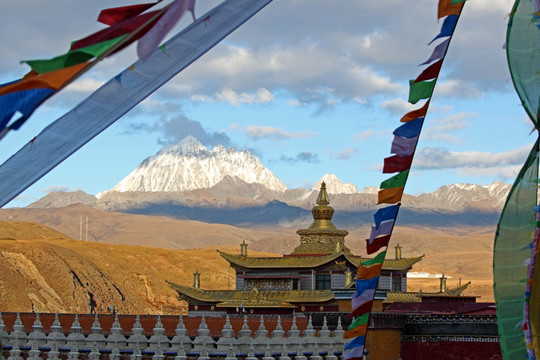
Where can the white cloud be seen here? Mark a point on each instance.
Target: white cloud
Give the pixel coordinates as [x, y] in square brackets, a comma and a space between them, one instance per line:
[62, 188]
[503, 165]
[268, 132]
[398, 106]
[441, 129]
[260, 97]
[370, 133]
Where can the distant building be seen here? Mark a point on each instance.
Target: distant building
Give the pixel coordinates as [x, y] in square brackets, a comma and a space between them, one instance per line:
[317, 277]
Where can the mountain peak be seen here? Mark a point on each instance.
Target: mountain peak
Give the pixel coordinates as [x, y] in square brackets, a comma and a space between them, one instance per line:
[187, 146]
[335, 186]
[189, 165]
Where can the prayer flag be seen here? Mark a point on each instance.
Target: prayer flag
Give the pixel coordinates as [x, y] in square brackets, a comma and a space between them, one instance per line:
[379, 259]
[359, 299]
[25, 102]
[141, 23]
[410, 129]
[458, 1]
[72, 57]
[390, 196]
[356, 342]
[361, 320]
[357, 331]
[403, 146]
[395, 181]
[355, 354]
[396, 163]
[431, 72]
[415, 114]
[438, 52]
[384, 229]
[363, 309]
[368, 272]
[157, 33]
[449, 7]
[386, 213]
[52, 80]
[377, 244]
[420, 90]
[363, 285]
[448, 26]
[115, 15]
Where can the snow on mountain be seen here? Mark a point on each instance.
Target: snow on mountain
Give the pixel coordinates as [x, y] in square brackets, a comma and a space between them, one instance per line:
[335, 186]
[189, 165]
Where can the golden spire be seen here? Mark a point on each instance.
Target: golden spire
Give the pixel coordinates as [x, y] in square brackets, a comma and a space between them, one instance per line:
[443, 284]
[322, 213]
[196, 279]
[398, 252]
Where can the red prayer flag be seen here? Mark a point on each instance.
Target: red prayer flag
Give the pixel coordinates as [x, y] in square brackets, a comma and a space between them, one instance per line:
[377, 244]
[396, 163]
[431, 72]
[142, 23]
[362, 309]
[415, 114]
[115, 15]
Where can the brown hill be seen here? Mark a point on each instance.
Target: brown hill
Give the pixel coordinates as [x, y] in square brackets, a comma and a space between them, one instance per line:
[47, 272]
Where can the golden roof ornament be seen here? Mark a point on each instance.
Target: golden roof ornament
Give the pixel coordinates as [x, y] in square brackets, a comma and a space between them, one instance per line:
[322, 212]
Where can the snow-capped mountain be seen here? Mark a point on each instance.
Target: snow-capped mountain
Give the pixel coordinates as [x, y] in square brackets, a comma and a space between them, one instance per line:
[189, 165]
[335, 186]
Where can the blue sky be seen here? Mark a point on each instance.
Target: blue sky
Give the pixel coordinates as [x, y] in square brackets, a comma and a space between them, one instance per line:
[309, 86]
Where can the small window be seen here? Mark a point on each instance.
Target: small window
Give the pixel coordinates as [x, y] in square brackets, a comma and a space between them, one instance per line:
[396, 283]
[323, 282]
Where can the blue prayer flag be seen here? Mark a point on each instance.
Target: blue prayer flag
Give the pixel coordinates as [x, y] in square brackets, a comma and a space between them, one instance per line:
[447, 28]
[356, 342]
[387, 213]
[410, 129]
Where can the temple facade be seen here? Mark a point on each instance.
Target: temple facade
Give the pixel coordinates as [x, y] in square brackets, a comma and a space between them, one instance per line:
[317, 277]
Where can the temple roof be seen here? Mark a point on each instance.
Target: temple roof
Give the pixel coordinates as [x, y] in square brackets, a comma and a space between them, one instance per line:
[397, 296]
[309, 262]
[254, 297]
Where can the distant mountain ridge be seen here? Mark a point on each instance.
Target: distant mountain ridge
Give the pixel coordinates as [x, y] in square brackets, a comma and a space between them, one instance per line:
[188, 181]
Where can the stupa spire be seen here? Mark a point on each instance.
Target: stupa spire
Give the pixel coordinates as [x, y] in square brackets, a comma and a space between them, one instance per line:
[322, 212]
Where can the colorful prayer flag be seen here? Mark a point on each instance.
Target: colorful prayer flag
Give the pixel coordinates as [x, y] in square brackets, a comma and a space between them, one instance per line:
[72, 57]
[379, 259]
[356, 342]
[360, 320]
[448, 7]
[390, 196]
[357, 331]
[415, 114]
[359, 299]
[24, 102]
[150, 41]
[420, 90]
[410, 129]
[395, 181]
[377, 244]
[115, 15]
[363, 309]
[403, 146]
[431, 72]
[384, 229]
[438, 52]
[365, 284]
[448, 26]
[368, 272]
[386, 213]
[396, 163]
[355, 354]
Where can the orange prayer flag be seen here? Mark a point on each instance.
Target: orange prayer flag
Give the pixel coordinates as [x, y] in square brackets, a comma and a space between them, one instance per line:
[357, 331]
[415, 114]
[369, 272]
[447, 8]
[52, 80]
[390, 196]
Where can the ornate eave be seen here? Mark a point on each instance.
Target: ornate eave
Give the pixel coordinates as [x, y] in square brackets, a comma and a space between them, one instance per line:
[253, 298]
[308, 262]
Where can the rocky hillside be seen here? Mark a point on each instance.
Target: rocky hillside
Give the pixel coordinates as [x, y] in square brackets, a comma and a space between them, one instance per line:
[42, 270]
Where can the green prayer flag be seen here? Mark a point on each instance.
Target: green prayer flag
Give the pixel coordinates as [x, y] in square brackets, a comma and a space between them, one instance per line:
[379, 259]
[361, 320]
[457, 1]
[396, 181]
[420, 90]
[72, 57]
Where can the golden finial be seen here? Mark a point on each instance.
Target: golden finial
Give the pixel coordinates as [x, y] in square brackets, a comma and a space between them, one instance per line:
[443, 284]
[243, 248]
[322, 212]
[323, 199]
[398, 252]
[196, 279]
